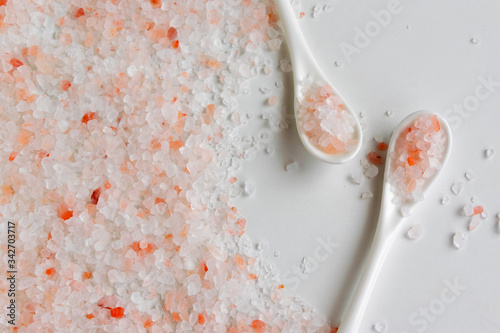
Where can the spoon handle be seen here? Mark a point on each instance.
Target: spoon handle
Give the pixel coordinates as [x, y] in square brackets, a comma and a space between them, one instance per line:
[382, 241]
[303, 61]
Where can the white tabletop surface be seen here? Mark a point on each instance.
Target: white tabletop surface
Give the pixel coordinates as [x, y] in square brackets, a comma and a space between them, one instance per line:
[433, 55]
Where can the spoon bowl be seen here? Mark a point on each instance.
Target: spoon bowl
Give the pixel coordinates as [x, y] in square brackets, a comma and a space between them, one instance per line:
[305, 68]
[388, 227]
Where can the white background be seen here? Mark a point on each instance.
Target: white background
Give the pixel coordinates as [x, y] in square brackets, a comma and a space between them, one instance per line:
[424, 59]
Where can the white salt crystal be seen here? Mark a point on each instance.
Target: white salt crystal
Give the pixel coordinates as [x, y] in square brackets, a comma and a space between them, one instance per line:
[269, 150]
[358, 178]
[469, 176]
[474, 199]
[293, 166]
[327, 8]
[389, 113]
[362, 115]
[379, 138]
[474, 41]
[371, 171]
[248, 188]
[468, 210]
[485, 214]
[414, 232]
[262, 246]
[474, 222]
[276, 254]
[488, 153]
[459, 239]
[457, 188]
[405, 211]
[116, 276]
[366, 195]
[193, 284]
[445, 200]
[265, 90]
[338, 64]
[380, 327]
[279, 84]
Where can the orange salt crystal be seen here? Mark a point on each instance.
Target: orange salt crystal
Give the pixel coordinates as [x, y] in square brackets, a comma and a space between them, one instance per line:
[160, 200]
[334, 330]
[156, 3]
[7, 190]
[258, 326]
[51, 271]
[65, 85]
[154, 144]
[281, 286]
[201, 319]
[79, 12]
[16, 63]
[175, 44]
[88, 117]
[63, 212]
[86, 276]
[435, 123]
[3, 2]
[176, 144]
[135, 246]
[176, 316]
[233, 180]
[478, 210]
[252, 276]
[180, 115]
[24, 137]
[240, 262]
[411, 161]
[149, 323]
[171, 33]
[94, 197]
[375, 158]
[149, 25]
[12, 156]
[302, 14]
[382, 146]
[177, 189]
[90, 316]
[117, 312]
[107, 184]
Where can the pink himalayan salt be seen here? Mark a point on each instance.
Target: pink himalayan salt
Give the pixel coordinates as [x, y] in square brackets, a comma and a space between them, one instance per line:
[325, 121]
[416, 157]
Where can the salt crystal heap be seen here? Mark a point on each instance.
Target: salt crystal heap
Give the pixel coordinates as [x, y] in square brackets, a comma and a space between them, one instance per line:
[325, 121]
[417, 156]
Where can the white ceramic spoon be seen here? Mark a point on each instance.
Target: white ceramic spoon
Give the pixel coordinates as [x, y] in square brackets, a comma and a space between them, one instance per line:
[388, 228]
[305, 65]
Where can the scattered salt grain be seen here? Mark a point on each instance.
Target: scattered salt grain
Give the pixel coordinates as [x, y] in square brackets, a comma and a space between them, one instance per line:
[279, 84]
[362, 115]
[488, 153]
[265, 90]
[457, 188]
[389, 113]
[273, 100]
[276, 254]
[293, 166]
[357, 178]
[269, 150]
[248, 188]
[380, 327]
[474, 199]
[459, 239]
[474, 222]
[468, 210]
[366, 195]
[405, 211]
[414, 232]
[474, 41]
[445, 200]
[469, 176]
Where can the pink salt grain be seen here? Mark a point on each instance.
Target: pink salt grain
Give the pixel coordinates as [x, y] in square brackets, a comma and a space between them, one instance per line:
[172, 33]
[273, 100]
[65, 85]
[375, 158]
[258, 326]
[325, 121]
